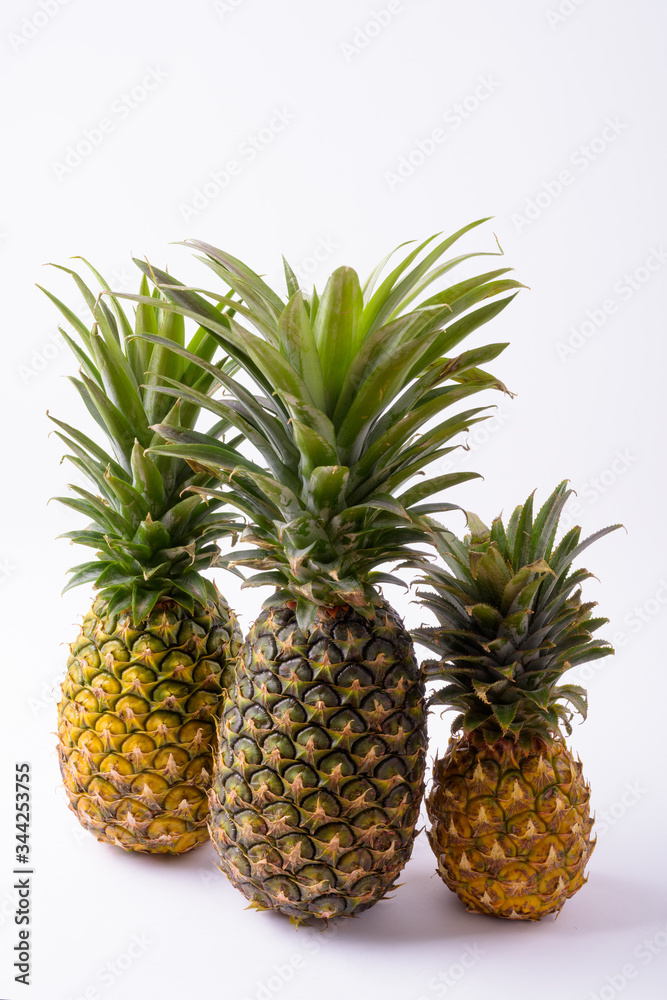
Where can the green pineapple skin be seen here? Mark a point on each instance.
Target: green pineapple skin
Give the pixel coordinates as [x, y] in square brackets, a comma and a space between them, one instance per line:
[320, 771]
[136, 722]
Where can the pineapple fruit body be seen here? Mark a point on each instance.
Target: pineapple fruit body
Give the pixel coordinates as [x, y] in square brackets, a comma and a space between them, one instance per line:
[510, 827]
[319, 776]
[136, 722]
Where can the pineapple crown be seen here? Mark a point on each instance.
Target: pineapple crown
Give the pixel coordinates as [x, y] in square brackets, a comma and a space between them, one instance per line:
[511, 622]
[344, 393]
[151, 541]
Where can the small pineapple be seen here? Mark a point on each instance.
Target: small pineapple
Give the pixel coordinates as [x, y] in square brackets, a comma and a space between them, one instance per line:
[508, 803]
[144, 678]
[319, 778]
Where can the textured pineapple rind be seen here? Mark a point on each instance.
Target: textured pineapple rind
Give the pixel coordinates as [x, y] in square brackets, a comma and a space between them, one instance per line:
[319, 776]
[136, 722]
[511, 828]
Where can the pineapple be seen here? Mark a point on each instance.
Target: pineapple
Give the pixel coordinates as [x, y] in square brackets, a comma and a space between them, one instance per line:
[144, 679]
[509, 807]
[319, 776]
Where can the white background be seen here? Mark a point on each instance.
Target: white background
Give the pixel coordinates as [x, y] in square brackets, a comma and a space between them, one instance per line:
[520, 93]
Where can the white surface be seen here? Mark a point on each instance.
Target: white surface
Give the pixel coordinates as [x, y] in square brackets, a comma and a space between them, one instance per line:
[544, 91]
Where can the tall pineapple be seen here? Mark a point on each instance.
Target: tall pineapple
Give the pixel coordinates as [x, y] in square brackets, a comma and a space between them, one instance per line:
[319, 778]
[509, 805]
[144, 678]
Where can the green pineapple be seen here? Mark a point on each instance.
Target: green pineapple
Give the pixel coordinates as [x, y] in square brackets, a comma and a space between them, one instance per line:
[509, 805]
[319, 777]
[145, 677]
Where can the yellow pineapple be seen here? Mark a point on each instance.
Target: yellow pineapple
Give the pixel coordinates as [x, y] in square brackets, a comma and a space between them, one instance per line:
[144, 681]
[509, 807]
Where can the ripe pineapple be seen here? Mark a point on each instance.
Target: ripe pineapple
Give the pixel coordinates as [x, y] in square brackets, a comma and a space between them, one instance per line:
[319, 778]
[509, 805]
[144, 679]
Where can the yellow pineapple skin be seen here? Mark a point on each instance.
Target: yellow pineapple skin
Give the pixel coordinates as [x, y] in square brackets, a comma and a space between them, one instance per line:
[511, 828]
[136, 723]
